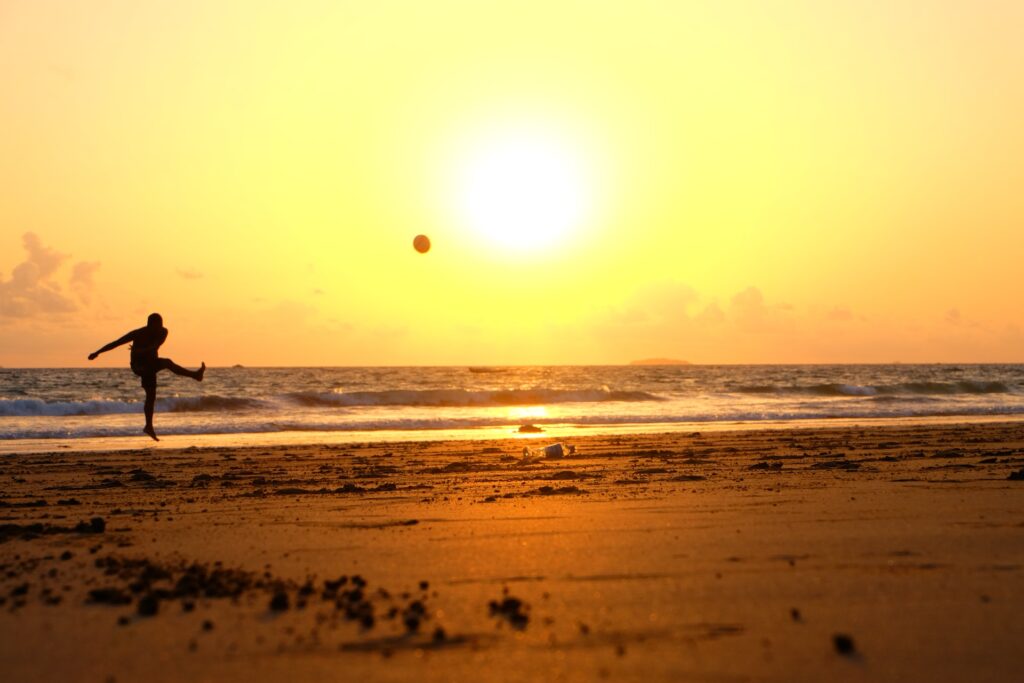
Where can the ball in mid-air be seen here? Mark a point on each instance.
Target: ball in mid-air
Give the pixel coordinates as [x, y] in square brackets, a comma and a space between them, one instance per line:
[421, 244]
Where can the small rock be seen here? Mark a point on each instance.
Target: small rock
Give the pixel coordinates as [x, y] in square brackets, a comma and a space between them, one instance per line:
[148, 606]
[843, 644]
[109, 596]
[512, 610]
[279, 603]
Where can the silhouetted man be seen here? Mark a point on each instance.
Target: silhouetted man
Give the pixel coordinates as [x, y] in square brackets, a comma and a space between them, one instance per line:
[146, 363]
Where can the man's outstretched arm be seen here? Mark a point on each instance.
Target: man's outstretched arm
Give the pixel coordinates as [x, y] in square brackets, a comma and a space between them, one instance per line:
[112, 345]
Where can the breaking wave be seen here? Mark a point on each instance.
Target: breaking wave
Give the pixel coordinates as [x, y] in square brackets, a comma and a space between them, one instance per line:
[442, 398]
[907, 389]
[32, 407]
[459, 398]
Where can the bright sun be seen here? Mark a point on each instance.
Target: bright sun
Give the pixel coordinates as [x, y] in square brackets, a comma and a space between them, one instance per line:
[522, 189]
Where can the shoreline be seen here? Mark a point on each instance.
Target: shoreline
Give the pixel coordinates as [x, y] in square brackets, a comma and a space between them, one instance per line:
[550, 431]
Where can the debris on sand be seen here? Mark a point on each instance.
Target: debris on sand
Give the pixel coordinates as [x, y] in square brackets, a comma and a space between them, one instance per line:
[109, 596]
[772, 466]
[689, 477]
[27, 532]
[510, 609]
[836, 465]
[560, 491]
[553, 451]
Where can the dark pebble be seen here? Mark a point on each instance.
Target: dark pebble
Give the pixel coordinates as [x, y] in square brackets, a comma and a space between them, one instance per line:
[207, 625]
[843, 644]
[279, 603]
[149, 605]
[66, 555]
[109, 596]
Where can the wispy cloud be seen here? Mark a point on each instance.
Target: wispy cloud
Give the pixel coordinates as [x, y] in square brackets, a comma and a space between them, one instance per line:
[82, 279]
[33, 288]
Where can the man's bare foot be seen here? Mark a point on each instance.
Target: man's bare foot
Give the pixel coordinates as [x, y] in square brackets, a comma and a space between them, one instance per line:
[200, 372]
[152, 432]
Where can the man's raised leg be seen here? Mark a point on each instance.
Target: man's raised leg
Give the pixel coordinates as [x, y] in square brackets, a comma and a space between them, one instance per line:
[168, 364]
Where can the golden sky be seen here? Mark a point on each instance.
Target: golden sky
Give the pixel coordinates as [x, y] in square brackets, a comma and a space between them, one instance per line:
[787, 181]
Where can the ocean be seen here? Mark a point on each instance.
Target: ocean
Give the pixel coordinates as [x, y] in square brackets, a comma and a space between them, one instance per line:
[391, 403]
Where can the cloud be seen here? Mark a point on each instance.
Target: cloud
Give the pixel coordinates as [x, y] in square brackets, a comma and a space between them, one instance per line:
[47, 260]
[676, 321]
[656, 305]
[32, 290]
[712, 314]
[81, 279]
[189, 274]
[956, 319]
[751, 314]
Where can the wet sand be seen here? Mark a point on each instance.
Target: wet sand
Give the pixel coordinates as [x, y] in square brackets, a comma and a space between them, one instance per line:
[853, 554]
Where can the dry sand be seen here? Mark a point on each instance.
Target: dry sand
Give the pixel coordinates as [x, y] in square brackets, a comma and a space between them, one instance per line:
[874, 554]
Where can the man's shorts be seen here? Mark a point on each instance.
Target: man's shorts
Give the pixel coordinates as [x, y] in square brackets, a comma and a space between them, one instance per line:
[147, 372]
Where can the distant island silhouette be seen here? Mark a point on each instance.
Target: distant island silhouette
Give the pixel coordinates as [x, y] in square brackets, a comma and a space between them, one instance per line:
[660, 361]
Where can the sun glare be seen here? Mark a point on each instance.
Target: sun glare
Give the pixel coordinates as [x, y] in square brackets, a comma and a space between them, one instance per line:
[523, 190]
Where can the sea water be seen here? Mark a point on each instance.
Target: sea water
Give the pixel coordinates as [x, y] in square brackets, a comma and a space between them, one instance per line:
[425, 402]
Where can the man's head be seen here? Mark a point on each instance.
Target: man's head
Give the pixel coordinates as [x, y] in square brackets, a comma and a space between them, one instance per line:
[155, 320]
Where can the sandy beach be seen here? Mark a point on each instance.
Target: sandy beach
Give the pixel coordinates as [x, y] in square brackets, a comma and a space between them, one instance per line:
[882, 553]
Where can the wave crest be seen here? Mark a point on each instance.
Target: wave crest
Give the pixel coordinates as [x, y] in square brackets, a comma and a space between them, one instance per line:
[460, 398]
[907, 388]
[34, 407]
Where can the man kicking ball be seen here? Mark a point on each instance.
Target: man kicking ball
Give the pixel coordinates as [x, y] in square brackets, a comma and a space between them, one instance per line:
[146, 363]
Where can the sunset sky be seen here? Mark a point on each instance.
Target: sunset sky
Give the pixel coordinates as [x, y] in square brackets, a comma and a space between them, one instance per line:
[722, 182]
